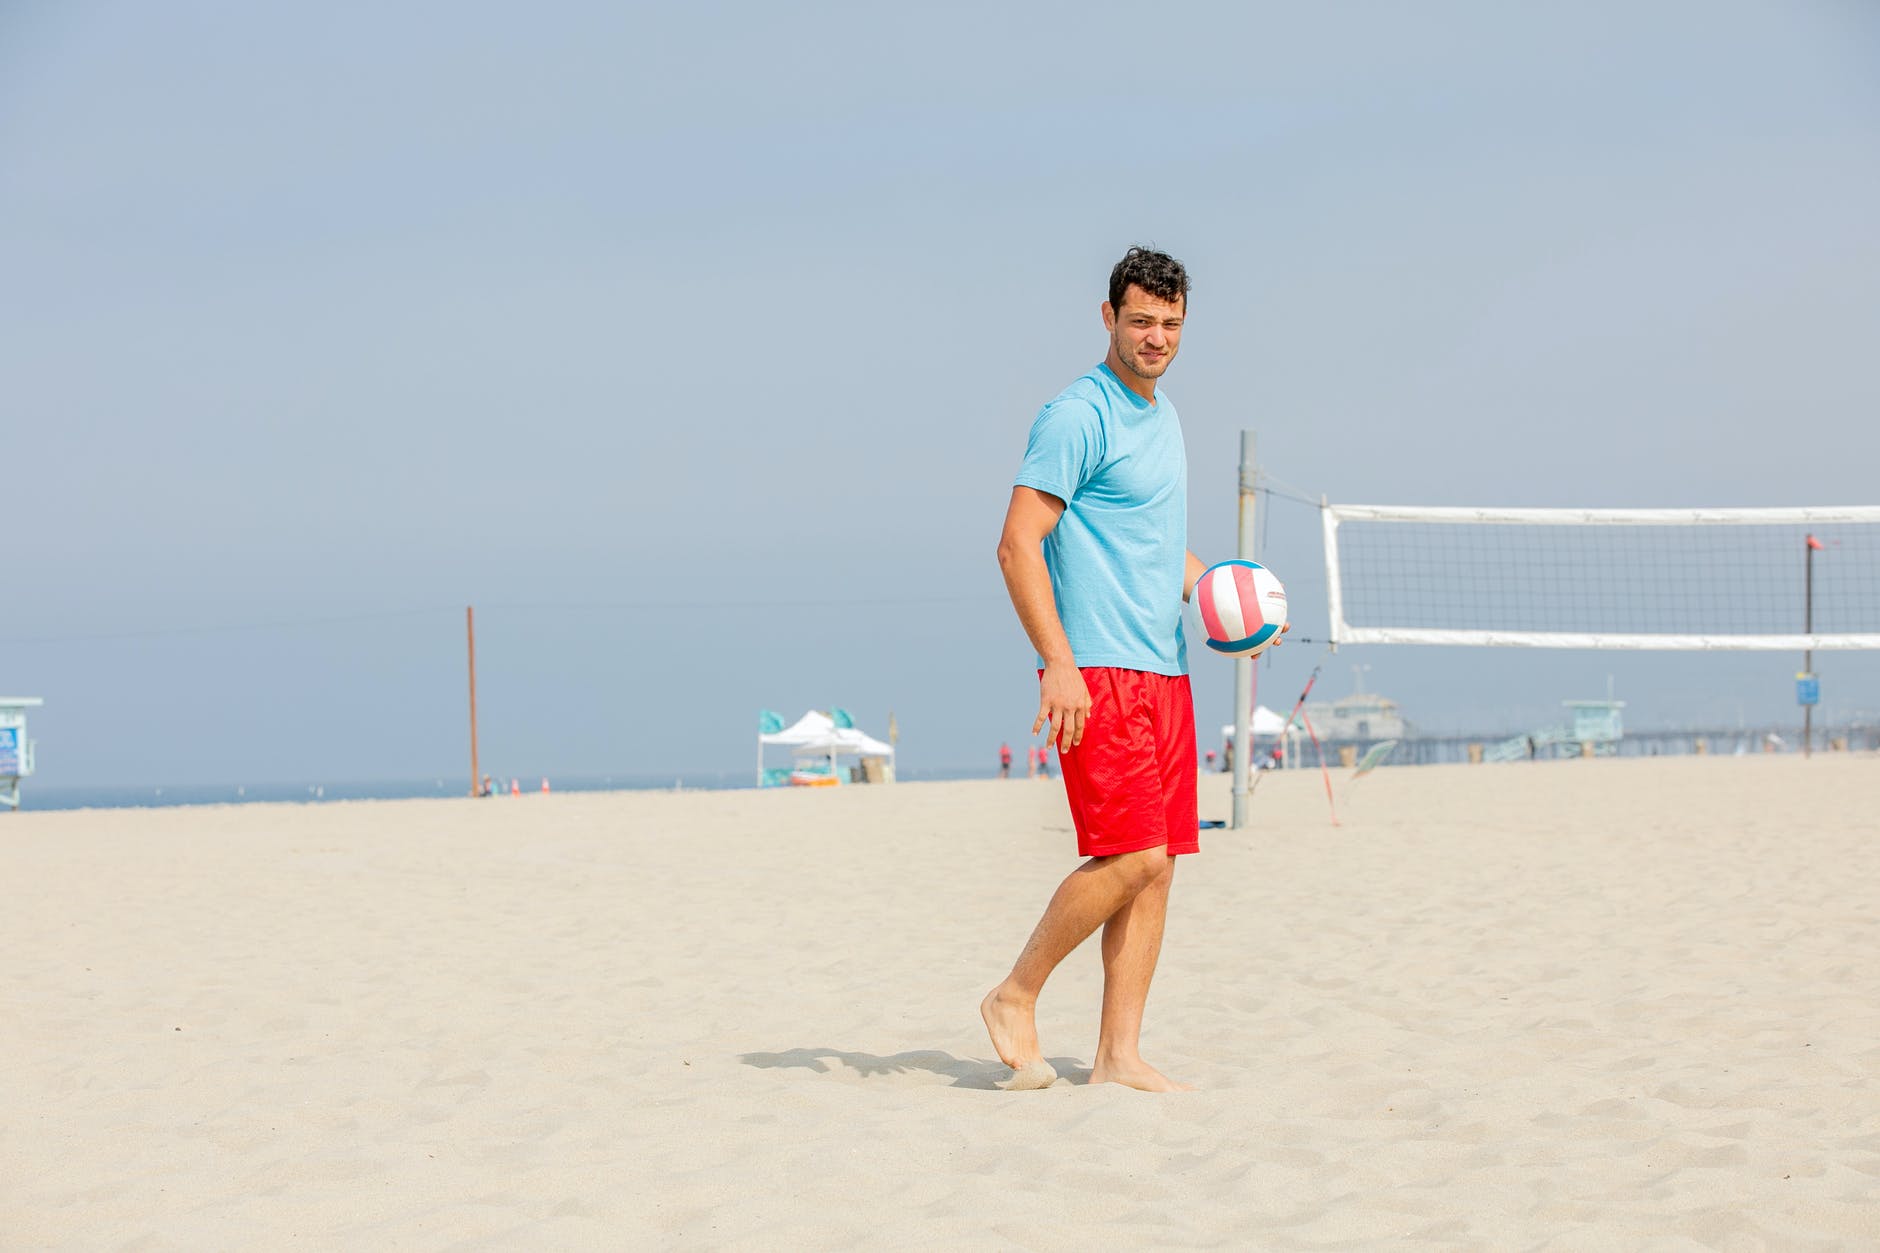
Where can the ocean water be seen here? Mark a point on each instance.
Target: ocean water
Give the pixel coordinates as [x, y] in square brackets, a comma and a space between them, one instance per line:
[35, 796]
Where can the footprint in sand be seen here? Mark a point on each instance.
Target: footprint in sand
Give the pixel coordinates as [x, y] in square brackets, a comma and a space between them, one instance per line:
[1030, 1077]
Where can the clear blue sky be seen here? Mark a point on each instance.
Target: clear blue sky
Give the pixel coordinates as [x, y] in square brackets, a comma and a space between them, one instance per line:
[345, 316]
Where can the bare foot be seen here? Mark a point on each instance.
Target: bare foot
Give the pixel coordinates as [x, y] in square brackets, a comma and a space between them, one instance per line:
[1136, 1074]
[1014, 1031]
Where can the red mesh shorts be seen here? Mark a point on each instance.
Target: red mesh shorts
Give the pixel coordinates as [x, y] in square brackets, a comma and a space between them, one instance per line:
[1131, 782]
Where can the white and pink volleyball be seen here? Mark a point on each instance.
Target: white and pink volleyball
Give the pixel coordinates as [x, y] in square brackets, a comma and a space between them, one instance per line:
[1242, 606]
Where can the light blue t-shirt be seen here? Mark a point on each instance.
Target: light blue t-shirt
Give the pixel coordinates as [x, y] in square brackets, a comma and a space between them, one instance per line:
[1118, 555]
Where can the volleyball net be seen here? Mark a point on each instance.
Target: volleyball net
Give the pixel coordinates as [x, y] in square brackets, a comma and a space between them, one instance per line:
[1675, 579]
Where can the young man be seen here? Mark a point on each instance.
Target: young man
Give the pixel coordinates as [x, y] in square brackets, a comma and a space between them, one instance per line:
[1096, 560]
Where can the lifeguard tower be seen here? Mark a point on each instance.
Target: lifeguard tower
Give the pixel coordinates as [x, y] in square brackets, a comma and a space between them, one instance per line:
[1596, 726]
[16, 751]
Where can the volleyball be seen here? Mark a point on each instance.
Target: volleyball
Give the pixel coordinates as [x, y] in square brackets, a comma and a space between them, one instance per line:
[1242, 606]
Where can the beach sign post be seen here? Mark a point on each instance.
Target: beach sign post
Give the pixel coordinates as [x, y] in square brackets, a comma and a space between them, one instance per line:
[1807, 695]
[16, 749]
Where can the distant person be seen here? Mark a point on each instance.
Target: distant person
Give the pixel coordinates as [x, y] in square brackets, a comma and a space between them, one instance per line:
[1095, 557]
[489, 788]
[1005, 761]
[1227, 758]
[1044, 762]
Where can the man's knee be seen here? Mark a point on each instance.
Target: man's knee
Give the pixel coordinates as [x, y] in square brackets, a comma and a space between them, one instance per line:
[1143, 868]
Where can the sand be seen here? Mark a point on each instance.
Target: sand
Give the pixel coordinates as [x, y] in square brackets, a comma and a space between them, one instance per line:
[1561, 1005]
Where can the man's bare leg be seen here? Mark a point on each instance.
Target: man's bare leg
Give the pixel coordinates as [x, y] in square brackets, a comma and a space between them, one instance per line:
[1132, 941]
[1089, 895]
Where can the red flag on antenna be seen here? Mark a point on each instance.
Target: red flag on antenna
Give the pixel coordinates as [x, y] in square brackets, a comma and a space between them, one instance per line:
[1815, 543]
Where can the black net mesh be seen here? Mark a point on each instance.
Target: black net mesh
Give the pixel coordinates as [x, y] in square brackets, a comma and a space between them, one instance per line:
[1676, 580]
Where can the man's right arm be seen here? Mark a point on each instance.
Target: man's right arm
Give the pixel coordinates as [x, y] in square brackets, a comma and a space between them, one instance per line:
[1063, 698]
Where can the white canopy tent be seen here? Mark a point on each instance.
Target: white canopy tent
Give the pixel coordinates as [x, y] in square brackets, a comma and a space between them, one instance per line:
[1265, 722]
[1268, 725]
[812, 725]
[844, 740]
[816, 734]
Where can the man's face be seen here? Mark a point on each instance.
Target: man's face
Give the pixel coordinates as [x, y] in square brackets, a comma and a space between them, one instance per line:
[1146, 332]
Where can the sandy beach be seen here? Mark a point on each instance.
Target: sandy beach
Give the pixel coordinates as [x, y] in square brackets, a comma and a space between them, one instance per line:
[1575, 1005]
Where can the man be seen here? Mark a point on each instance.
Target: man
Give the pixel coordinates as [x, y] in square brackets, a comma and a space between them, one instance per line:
[1096, 560]
[1005, 761]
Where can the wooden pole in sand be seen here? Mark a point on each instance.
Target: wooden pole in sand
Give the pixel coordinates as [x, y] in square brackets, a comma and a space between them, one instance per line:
[470, 628]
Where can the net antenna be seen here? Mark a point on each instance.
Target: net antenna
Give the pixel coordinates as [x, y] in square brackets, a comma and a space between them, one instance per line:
[1672, 579]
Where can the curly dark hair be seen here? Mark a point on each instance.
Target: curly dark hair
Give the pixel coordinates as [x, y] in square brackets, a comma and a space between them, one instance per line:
[1157, 273]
